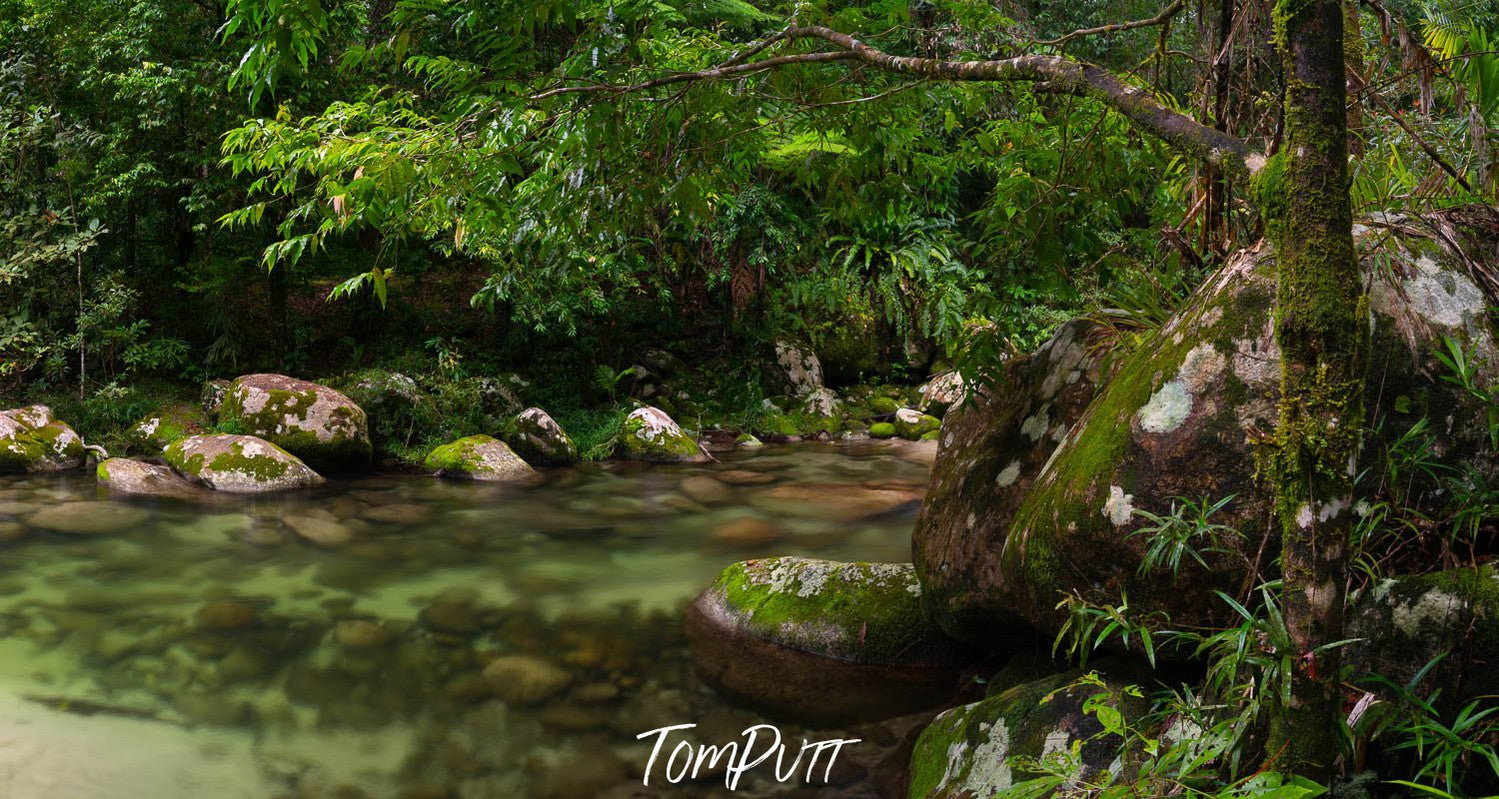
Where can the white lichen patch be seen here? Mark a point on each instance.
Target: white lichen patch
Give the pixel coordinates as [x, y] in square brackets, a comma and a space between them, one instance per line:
[1431, 612]
[1034, 427]
[1009, 474]
[1120, 507]
[985, 768]
[1256, 361]
[1304, 517]
[1444, 297]
[1168, 407]
[1055, 743]
[1201, 366]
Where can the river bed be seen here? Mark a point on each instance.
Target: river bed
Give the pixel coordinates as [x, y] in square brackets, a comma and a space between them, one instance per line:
[334, 642]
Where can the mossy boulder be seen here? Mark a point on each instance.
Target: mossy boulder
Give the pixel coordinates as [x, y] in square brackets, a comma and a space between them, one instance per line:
[882, 430]
[539, 440]
[882, 406]
[317, 424]
[396, 406]
[983, 749]
[1404, 623]
[480, 458]
[155, 431]
[238, 464]
[822, 642]
[648, 434]
[125, 476]
[822, 403]
[1036, 486]
[748, 441]
[31, 440]
[912, 424]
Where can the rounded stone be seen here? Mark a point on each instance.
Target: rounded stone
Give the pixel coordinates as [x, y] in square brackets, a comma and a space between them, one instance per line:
[238, 464]
[822, 642]
[523, 680]
[31, 440]
[481, 458]
[748, 531]
[317, 424]
[539, 440]
[649, 434]
[89, 517]
[318, 530]
[361, 634]
[226, 615]
[125, 476]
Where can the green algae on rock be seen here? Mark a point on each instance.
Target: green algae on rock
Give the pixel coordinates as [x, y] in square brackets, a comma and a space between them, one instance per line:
[972, 750]
[882, 430]
[125, 476]
[648, 434]
[317, 424]
[912, 424]
[238, 464]
[31, 440]
[823, 642]
[154, 432]
[539, 440]
[480, 458]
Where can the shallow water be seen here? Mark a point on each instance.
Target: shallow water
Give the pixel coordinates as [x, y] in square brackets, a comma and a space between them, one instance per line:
[331, 643]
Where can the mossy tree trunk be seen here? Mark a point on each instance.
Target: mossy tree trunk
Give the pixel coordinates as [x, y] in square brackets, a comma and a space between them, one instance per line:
[1321, 324]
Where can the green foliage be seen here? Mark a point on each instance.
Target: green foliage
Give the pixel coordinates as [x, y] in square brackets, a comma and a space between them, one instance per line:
[1186, 529]
[1444, 751]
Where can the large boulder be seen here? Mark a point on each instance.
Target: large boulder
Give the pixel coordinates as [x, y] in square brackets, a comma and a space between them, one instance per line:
[317, 424]
[238, 464]
[1035, 489]
[125, 476]
[1403, 624]
[537, 438]
[32, 441]
[395, 404]
[942, 392]
[155, 431]
[480, 458]
[821, 642]
[985, 748]
[648, 434]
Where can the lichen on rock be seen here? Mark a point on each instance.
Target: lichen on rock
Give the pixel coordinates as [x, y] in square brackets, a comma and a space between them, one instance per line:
[31, 440]
[539, 440]
[313, 422]
[238, 464]
[648, 434]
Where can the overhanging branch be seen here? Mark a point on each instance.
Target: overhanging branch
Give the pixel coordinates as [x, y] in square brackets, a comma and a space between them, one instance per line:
[1230, 154]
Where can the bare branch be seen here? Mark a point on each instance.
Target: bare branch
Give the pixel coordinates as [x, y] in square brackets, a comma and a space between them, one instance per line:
[1159, 19]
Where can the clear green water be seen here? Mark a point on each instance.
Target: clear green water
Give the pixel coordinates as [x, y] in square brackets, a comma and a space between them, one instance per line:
[211, 651]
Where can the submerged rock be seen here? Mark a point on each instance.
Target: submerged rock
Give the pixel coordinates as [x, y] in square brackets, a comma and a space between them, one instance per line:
[88, 517]
[1035, 489]
[822, 642]
[648, 434]
[480, 458]
[31, 440]
[317, 424]
[125, 476]
[539, 440]
[523, 680]
[971, 750]
[155, 431]
[238, 464]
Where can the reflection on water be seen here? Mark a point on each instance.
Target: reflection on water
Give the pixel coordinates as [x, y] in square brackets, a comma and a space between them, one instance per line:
[404, 636]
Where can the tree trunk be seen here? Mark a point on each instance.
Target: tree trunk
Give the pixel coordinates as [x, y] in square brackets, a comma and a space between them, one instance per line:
[1353, 56]
[1321, 325]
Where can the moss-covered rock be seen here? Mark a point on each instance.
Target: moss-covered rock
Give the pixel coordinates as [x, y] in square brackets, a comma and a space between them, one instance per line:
[912, 424]
[539, 440]
[1403, 624]
[155, 431]
[822, 403]
[125, 476]
[1035, 488]
[31, 440]
[648, 434]
[317, 424]
[882, 406]
[480, 458]
[849, 348]
[882, 430]
[982, 749]
[397, 408]
[823, 642]
[748, 441]
[238, 464]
